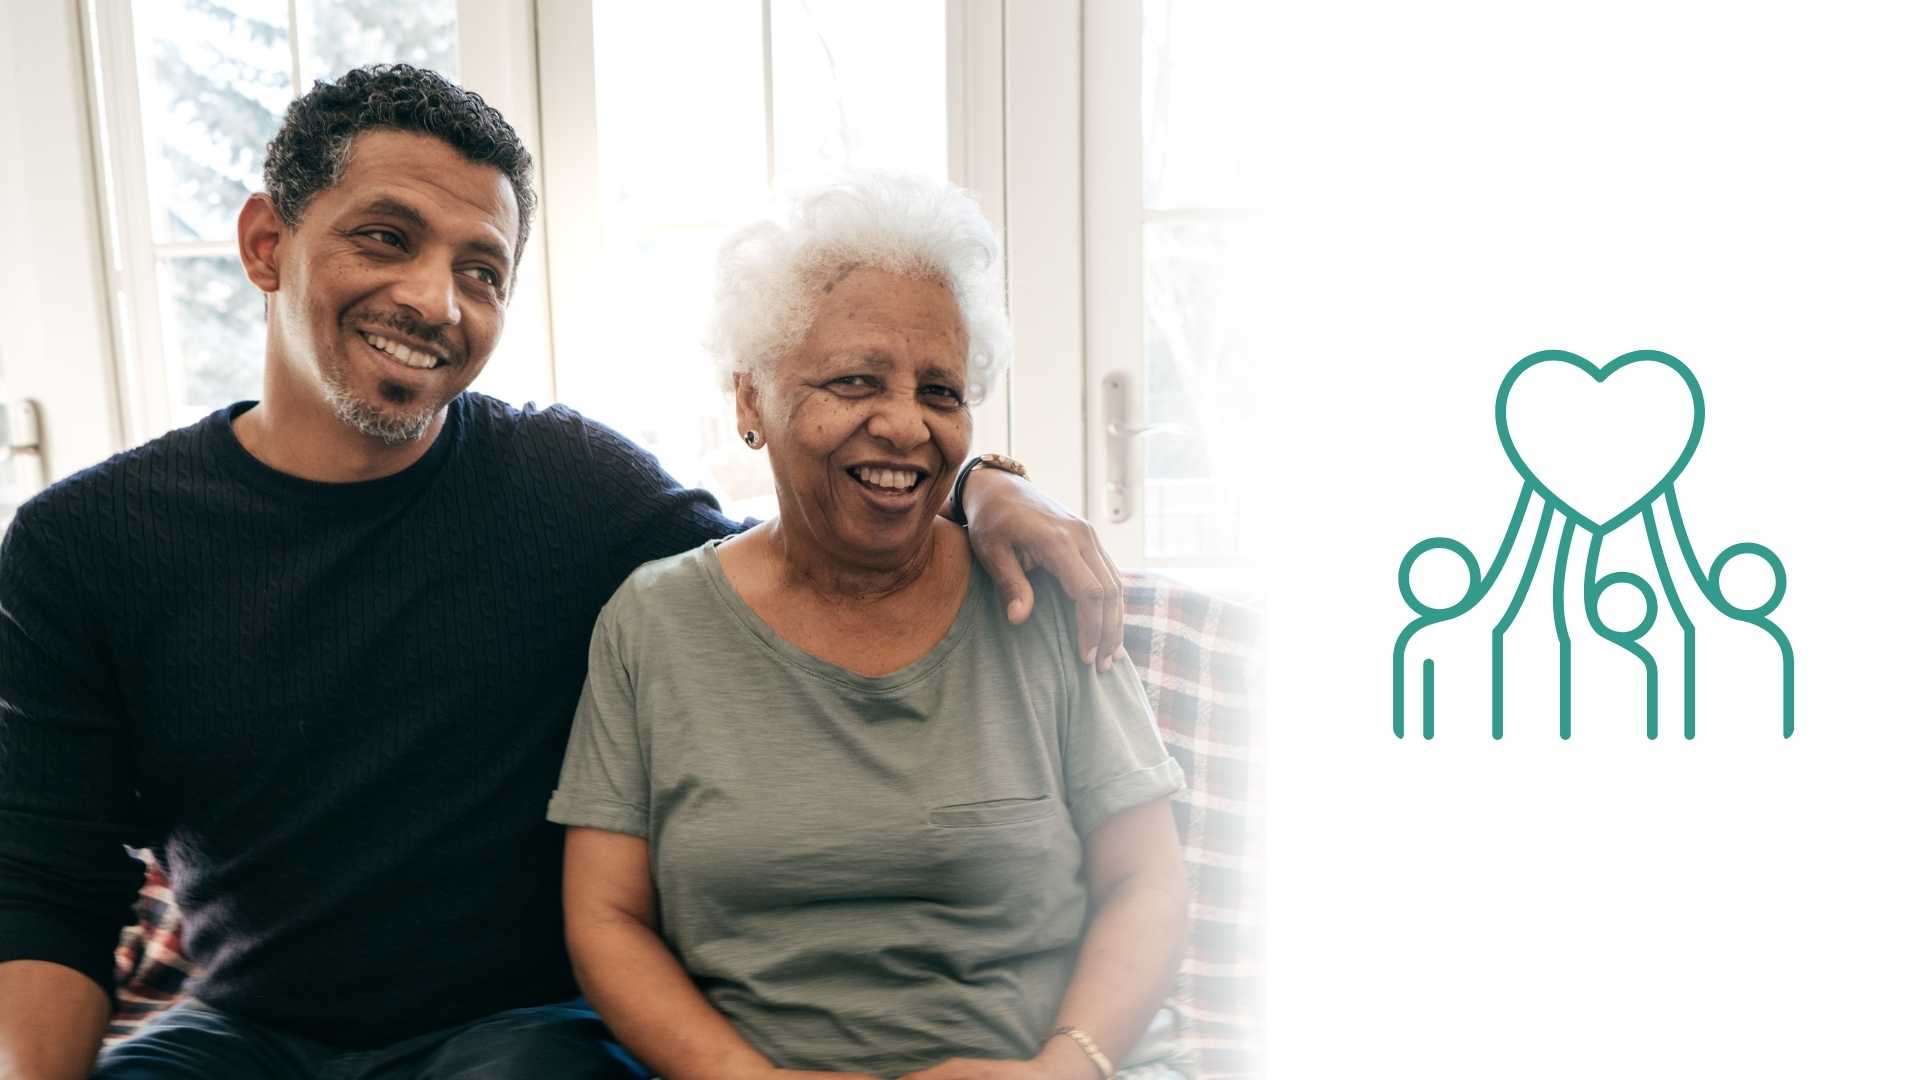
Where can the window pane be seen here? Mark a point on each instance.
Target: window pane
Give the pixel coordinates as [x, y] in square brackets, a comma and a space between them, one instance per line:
[683, 144]
[213, 332]
[214, 81]
[858, 85]
[215, 77]
[678, 101]
[1200, 353]
[1201, 174]
[1201, 142]
[340, 35]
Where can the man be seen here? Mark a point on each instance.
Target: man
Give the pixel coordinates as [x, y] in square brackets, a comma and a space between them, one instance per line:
[322, 651]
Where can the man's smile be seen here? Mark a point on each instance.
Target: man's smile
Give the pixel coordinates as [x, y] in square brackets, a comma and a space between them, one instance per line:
[418, 357]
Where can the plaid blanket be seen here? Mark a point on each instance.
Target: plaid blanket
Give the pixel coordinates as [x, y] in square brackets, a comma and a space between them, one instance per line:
[148, 964]
[1200, 660]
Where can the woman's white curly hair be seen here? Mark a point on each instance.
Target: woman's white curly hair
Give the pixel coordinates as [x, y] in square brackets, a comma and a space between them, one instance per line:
[770, 273]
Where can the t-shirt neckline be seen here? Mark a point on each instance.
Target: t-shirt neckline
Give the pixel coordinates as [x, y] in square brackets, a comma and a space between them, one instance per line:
[794, 656]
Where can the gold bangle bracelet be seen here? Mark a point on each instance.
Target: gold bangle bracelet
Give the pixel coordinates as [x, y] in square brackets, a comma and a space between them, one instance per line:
[1089, 1047]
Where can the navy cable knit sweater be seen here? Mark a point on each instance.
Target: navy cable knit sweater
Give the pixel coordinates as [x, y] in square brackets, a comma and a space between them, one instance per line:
[337, 709]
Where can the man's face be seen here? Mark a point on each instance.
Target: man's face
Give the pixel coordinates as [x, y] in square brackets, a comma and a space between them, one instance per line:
[393, 288]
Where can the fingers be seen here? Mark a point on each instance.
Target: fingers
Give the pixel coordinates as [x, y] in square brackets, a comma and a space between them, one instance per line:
[1010, 581]
[1092, 581]
[1113, 627]
[1083, 575]
[1060, 544]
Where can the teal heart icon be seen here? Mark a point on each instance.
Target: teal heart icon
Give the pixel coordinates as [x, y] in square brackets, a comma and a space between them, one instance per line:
[1600, 443]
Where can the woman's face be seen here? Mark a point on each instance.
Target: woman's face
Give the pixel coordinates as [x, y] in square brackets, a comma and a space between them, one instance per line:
[866, 422]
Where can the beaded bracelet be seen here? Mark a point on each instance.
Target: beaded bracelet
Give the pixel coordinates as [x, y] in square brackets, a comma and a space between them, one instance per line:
[1091, 1048]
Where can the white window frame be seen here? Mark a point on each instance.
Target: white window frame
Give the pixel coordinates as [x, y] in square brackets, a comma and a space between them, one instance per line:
[126, 217]
[1114, 266]
[55, 330]
[1041, 57]
[495, 42]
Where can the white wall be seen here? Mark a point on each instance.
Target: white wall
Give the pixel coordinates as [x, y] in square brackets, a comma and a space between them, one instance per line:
[56, 341]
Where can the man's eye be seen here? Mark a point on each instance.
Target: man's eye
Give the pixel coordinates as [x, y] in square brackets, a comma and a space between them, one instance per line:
[387, 237]
[484, 273]
[853, 382]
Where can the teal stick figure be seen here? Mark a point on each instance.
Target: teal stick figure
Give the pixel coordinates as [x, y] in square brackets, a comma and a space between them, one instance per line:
[1430, 612]
[1427, 615]
[1757, 615]
[1576, 523]
[1628, 638]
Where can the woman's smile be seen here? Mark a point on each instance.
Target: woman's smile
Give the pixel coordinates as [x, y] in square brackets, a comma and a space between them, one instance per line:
[890, 490]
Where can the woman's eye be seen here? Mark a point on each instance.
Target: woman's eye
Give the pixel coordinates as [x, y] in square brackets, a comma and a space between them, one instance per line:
[945, 395]
[853, 382]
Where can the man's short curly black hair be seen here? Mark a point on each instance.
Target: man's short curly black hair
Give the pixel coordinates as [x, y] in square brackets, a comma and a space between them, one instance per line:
[309, 153]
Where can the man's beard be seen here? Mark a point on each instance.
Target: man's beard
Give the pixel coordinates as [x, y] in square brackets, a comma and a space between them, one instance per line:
[394, 424]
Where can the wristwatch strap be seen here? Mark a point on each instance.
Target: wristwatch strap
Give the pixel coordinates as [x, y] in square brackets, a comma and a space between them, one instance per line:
[991, 461]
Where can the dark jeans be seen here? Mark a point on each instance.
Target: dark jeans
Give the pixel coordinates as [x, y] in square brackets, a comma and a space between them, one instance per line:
[546, 1042]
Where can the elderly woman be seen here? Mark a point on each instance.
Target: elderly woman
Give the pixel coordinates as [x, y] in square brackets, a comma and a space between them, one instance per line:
[830, 815]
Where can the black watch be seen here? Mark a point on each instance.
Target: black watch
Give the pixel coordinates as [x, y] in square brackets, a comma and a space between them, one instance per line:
[991, 461]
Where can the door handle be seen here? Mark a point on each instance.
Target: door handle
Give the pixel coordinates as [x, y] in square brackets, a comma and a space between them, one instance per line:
[20, 438]
[1116, 393]
[19, 427]
[1126, 431]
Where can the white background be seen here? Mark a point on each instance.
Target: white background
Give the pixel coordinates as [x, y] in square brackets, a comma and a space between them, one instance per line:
[1737, 185]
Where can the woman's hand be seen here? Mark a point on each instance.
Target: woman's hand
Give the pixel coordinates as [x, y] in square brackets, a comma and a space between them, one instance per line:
[1014, 528]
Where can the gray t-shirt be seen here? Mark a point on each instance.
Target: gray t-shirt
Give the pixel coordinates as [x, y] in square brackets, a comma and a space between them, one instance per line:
[861, 873]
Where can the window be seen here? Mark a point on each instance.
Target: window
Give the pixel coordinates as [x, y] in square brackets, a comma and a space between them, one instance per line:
[1105, 139]
[1198, 252]
[186, 136]
[1172, 246]
[701, 111]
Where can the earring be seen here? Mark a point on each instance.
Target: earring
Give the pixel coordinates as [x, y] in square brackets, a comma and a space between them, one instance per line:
[752, 439]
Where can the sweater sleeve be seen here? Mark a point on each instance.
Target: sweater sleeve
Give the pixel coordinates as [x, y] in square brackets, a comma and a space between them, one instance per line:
[66, 775]
[650, 514]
